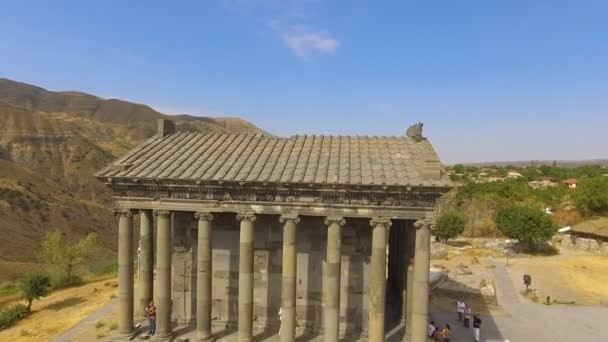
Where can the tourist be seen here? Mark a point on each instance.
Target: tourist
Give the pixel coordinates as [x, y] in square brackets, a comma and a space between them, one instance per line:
[445, 334]
[151, 313]
[476, 327]
[431, 330]
[460, 309]
[280, 319]
[467, 316]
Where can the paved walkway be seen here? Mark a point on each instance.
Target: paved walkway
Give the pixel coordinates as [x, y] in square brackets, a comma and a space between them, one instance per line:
[532, 322]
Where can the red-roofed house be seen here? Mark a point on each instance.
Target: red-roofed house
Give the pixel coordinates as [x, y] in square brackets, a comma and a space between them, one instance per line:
[571, 182]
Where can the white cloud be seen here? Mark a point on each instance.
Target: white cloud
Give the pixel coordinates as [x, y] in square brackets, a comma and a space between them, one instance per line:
[305, 42]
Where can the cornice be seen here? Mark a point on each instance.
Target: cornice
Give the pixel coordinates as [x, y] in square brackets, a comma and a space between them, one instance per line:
[419, 197]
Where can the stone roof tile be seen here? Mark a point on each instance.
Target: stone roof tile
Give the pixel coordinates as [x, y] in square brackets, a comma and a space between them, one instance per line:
[319, 159]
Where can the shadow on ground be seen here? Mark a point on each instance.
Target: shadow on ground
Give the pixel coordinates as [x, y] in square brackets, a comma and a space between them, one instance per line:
[66, 303]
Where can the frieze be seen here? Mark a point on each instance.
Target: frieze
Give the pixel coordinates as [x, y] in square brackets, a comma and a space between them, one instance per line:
[245, 195]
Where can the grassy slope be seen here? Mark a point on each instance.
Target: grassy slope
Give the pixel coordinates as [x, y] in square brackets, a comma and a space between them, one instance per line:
[50, 145]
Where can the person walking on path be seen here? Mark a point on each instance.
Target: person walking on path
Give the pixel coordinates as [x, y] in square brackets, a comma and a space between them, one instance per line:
[151, 313]
[476, 327]
[467, 316]
[460, 309]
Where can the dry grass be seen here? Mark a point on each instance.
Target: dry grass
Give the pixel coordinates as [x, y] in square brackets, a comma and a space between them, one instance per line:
[12, 270]
[579, 277]
[60, 311]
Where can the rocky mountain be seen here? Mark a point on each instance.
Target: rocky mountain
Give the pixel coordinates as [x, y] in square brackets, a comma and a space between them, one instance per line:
[50, 145]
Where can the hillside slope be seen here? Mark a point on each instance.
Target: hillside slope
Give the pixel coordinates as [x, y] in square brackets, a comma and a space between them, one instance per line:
[50, 145]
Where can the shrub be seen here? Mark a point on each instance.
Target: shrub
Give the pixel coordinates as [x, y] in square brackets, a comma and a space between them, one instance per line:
[8, 288]
[591, 196]
[12, 314]
[34, 286]
[449, 225]
[526, 224]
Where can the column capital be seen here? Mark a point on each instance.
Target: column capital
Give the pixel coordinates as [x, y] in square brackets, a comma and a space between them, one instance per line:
[203, 216]
[426, 222]
[162, 212]
[125, 212]
[386, 222]
[246, 216]
[295, 218]
[329, 220]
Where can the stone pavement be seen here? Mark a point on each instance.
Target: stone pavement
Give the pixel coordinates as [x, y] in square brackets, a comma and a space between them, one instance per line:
[532, 322]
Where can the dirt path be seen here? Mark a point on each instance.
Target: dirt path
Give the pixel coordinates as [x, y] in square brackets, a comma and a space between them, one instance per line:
[86, 323]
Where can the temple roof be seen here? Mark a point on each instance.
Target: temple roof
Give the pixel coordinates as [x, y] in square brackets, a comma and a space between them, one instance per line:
[304, 159]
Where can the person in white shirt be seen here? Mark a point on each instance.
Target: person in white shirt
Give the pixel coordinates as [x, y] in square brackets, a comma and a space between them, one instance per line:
[431, 330]
[460, 306]
[280, 319]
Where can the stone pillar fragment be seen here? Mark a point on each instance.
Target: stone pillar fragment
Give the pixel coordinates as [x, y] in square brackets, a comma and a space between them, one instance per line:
[422, 260]
[146, 260]
[332, 279]
[164, 251]
[203, 279]
[377, 283]
[245, 317]
[288, 294]
[125, 273]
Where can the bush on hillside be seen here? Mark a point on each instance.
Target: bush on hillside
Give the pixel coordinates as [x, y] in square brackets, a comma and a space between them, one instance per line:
[526, 224]
[449, 225]
[34, 286]
[11, 314]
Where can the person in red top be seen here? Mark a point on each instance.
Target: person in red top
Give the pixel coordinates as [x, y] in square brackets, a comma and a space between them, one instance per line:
[151, 313]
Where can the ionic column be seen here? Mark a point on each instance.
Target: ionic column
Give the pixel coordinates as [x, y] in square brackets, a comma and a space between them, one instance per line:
[288, 293]
[409, 301]
[377, 283]
[332, 279]
[245, 318]
[203, 279]
[146, 260]
[164, 251]
[422, 259]
[125, 272]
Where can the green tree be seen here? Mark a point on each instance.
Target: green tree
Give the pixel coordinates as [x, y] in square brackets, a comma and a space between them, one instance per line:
[34, 286]
[65, 256]
[591, 196]
[458, 168]
[449, 225]
[527, 225]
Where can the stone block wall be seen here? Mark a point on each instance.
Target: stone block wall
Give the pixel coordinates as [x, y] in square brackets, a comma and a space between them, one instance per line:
[584, 243]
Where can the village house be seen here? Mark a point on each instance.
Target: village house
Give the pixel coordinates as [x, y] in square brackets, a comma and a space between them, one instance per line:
[571, 182]
[591, 235]
[514, 174]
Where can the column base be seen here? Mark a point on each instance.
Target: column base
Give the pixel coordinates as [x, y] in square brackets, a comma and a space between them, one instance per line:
[210, 338]
[164, 337]
[124, 336]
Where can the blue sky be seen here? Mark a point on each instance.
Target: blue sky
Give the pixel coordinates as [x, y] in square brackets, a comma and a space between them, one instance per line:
[491, 80]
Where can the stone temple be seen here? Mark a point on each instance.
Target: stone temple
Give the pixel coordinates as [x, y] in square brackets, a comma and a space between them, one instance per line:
[332, 231]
